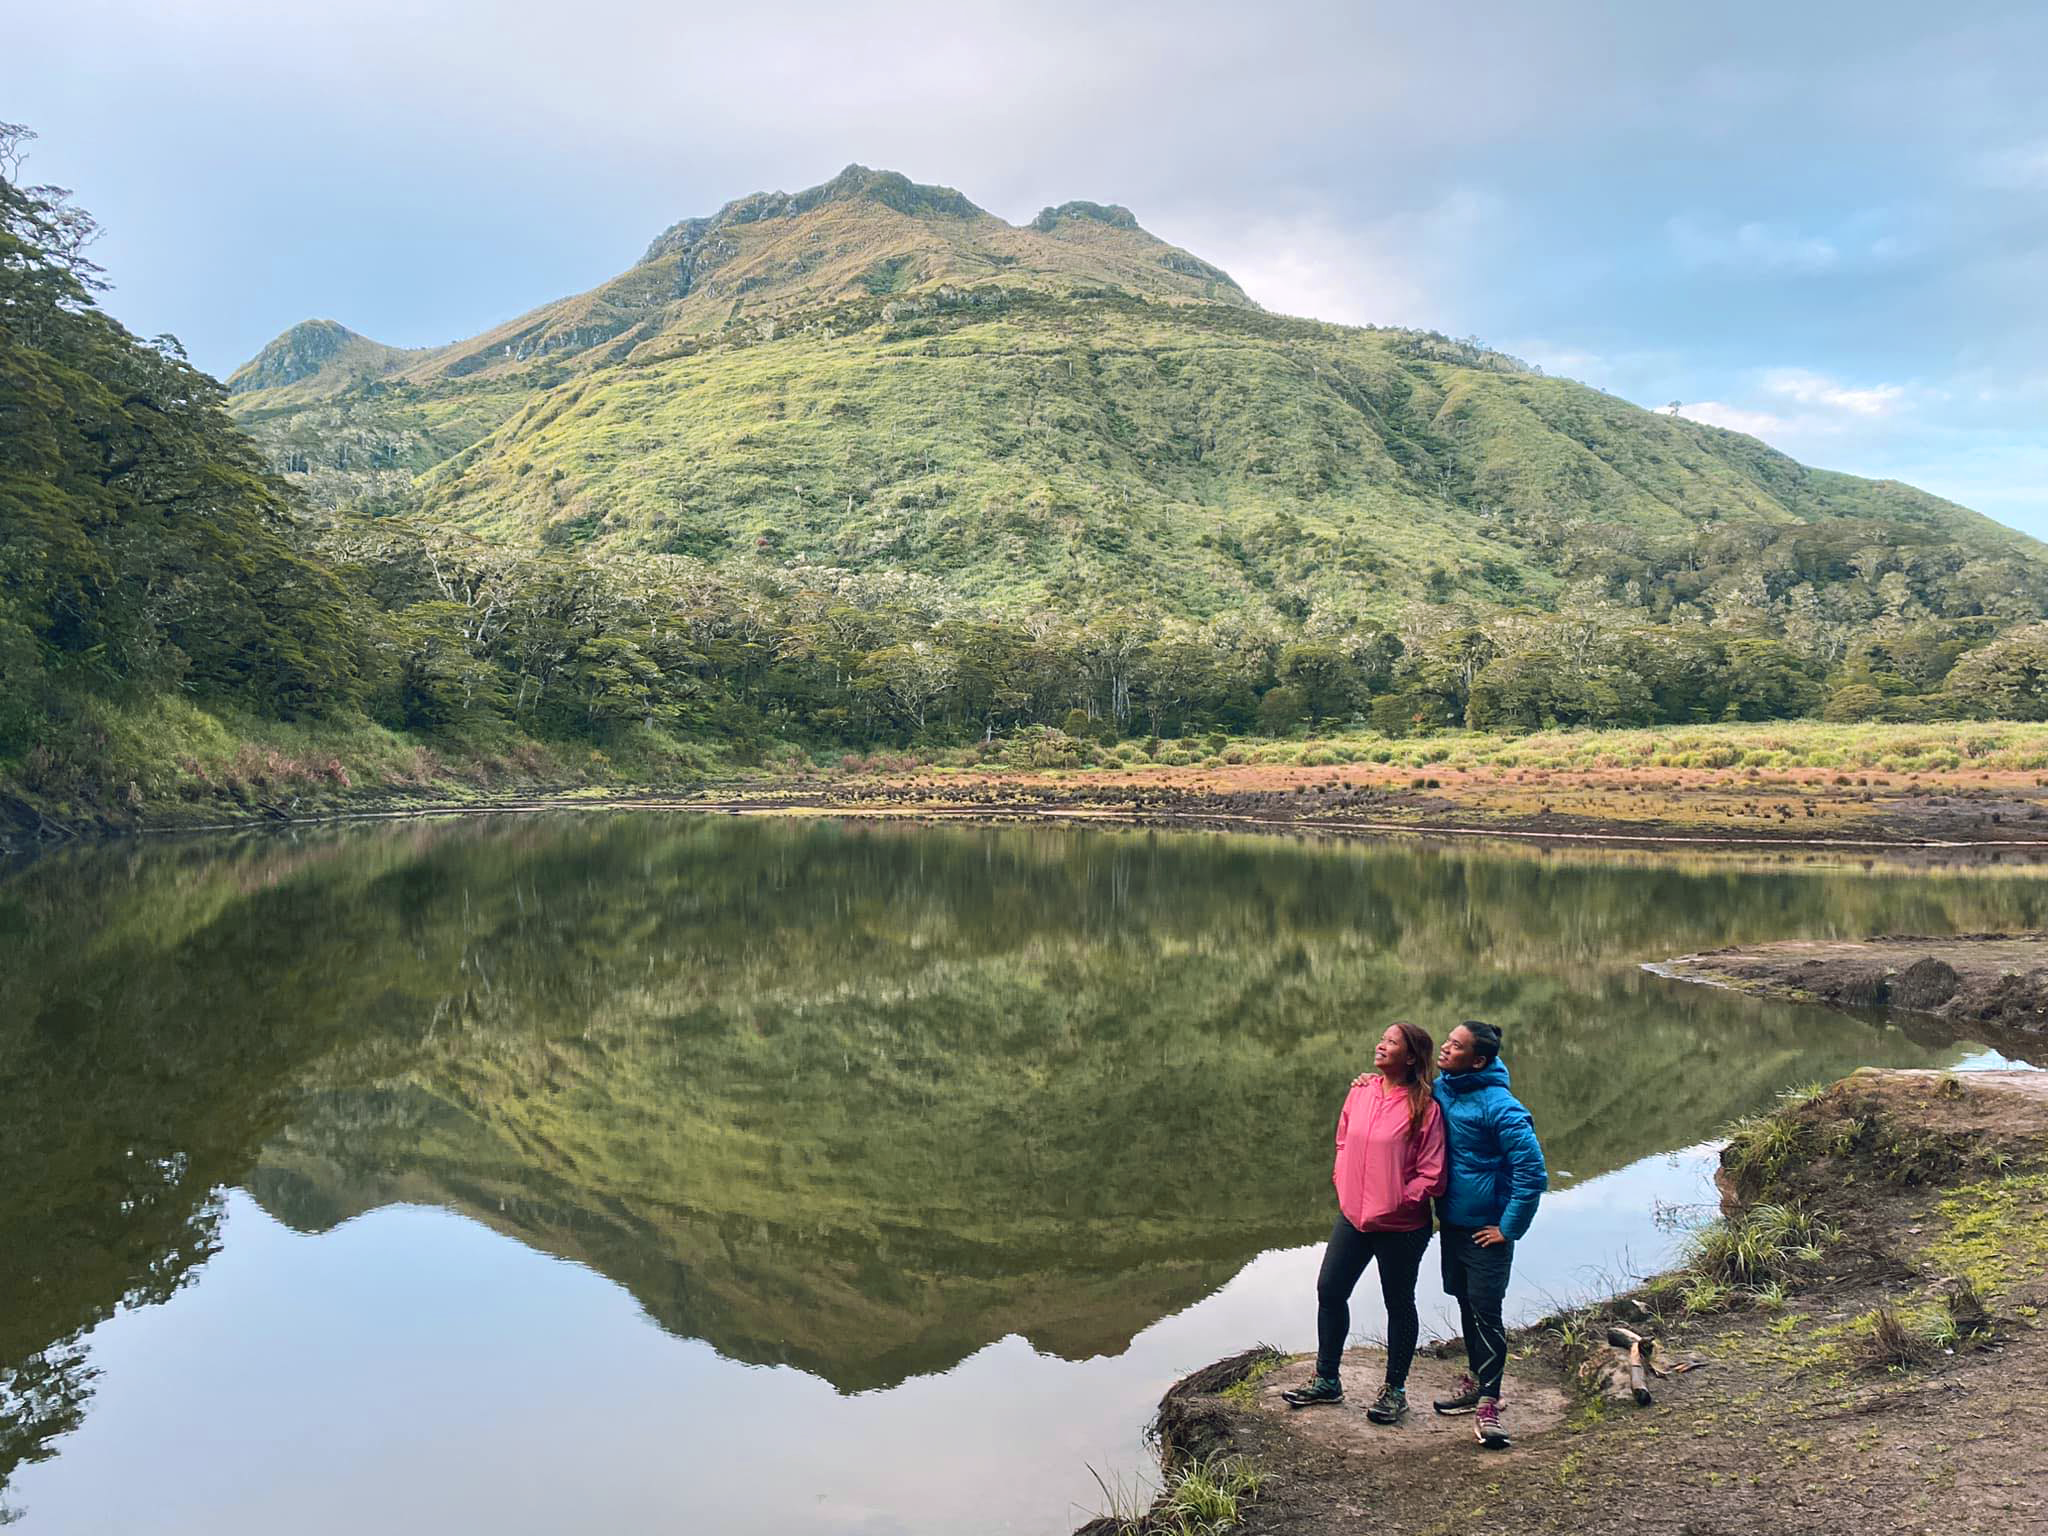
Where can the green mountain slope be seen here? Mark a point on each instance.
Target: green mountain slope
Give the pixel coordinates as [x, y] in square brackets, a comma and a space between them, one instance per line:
[874, 373]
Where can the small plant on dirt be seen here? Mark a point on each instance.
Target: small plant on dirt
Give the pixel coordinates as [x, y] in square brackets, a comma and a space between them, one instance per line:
[1885, 1343]
[1759, 1148]
[1851, 1134]
[1570, 1336]
[1756, 1248]
[1244, 1393]
[1702, 1295]
[1964, 1321]
[1202, 1498]
[1208, 1495]
[1768, 1297]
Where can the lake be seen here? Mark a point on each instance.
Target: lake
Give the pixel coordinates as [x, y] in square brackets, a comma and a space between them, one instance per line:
[666, 1173]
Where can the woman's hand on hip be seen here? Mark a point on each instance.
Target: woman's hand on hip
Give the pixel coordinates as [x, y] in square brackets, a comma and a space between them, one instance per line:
[1488, 1237]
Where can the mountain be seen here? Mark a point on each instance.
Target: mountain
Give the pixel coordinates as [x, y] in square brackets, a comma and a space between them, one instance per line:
[881, 375]
[319, 355]
[769, 256]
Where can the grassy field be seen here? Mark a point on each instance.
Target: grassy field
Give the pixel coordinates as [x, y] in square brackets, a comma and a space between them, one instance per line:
[1948, 747]
[167, 762]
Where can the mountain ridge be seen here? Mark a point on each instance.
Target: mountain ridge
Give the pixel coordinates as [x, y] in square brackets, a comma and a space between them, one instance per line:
[863, 232]
[875, 374]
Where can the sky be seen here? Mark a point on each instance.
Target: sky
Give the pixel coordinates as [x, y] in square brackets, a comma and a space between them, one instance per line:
[1824, 224]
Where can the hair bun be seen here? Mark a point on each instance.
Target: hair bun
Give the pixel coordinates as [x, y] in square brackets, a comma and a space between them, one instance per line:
[1486, 1036]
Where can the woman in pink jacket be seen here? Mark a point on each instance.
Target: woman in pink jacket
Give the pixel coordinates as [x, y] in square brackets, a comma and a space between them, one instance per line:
[1390, 1165]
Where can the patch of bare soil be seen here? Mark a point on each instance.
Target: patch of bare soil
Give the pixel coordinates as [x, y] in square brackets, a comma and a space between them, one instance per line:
[1986, 986]
[1890, 1376]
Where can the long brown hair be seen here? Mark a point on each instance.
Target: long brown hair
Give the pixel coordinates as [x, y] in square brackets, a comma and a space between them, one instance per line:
[1422, 1072]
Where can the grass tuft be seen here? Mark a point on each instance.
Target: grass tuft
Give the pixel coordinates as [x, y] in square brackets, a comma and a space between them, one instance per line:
[1203, 1497]
[1884, 1342]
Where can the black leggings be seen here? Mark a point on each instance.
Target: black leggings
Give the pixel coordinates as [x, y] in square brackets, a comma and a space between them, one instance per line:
[1350, 1250]
[1486, 1341]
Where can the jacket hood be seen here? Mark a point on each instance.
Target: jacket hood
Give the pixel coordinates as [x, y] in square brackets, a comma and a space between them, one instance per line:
[1493, 1074]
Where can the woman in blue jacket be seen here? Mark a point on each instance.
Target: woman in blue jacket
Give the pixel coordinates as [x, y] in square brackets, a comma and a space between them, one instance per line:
[1496, 1173]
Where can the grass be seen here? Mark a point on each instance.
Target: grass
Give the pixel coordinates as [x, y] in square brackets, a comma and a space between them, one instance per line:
[1994, 1233]
[1243, 1393]
[1885, 1341]
[1749, 1258]
[1202, 1497]
[1869, 754]
[178, 756]
[1761, 1146]
[165, 760]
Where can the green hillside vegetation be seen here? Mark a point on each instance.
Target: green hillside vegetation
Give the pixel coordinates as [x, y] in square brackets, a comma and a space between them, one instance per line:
[872, 400]
[866, 466]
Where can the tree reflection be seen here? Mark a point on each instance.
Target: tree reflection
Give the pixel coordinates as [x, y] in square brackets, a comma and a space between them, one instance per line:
[856, 1098]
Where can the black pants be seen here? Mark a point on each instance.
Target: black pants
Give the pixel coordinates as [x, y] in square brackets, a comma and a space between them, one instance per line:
[1478, 1277]
[1400, 1260]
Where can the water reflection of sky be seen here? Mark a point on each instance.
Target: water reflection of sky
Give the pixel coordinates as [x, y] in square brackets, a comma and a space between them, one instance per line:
[1182, 1009]
[414, 1371]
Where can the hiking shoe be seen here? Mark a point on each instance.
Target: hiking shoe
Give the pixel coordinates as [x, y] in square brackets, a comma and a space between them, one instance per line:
[1463, 1400]
[1486, 1425]
[1320, 1389]
[1390, 1407]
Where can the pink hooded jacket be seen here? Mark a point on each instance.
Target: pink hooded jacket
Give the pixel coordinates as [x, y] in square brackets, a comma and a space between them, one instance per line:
[1385, 1178]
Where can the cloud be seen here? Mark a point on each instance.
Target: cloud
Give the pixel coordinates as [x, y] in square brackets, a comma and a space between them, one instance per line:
[1750, 249]
[1718, 413]
[2015, 168]
[1404, 267]
[1805, 387]
[424, 172]
[1826, 409]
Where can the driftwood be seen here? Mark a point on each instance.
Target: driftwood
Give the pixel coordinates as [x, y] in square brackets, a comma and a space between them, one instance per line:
[1641, 1361]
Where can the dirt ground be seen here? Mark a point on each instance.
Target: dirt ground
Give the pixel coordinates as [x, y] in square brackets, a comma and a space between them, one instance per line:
[1986, 810]
[1989, 986]
[1797, 1420]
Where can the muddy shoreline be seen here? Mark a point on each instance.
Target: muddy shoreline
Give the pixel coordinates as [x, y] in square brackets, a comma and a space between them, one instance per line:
[1883, 1372]
[1985, 986]
[1646, 807]
[1935, 817]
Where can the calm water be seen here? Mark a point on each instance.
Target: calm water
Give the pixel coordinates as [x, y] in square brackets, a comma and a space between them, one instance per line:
[657, 1173]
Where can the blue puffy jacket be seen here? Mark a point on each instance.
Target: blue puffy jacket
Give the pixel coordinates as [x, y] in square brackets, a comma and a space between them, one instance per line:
[1495, 1162]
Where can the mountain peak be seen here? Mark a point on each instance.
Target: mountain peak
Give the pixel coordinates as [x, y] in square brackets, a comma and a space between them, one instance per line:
[308, 349]
[1113, 214]
[855, 184]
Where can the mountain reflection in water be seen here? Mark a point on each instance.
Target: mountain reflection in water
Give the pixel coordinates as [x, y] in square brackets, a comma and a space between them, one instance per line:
[858, 1099]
